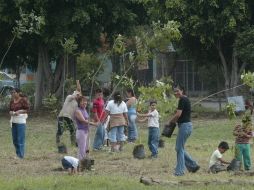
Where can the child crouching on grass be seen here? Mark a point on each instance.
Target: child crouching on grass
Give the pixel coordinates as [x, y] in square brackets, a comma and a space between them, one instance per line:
[154, 131]
[71, 164]
[216, 163]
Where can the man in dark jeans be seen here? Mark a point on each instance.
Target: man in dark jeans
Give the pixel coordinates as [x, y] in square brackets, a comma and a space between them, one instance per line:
[65, 117]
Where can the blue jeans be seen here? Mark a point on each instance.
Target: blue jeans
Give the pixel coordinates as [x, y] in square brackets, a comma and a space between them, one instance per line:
[116, 134]
[153, 139]
[183, 158]
[132, 127]
[99, 137]
[18, 138]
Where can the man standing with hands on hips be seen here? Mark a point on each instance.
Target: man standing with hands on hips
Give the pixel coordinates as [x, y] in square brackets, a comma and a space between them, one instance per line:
[183, 118]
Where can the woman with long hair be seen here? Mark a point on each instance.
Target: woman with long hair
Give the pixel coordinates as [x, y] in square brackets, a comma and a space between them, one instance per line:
[132, 116]
[117, 109]
[82, 133]
[183, 118]
[19, 107]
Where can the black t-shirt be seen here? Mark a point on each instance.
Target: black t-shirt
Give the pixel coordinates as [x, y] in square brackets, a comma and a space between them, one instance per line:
[185, 106]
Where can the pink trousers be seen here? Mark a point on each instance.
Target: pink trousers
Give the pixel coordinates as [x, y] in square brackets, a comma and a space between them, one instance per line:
[83, 143]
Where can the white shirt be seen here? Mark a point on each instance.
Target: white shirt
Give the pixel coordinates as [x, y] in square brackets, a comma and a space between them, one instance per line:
[73, 161]
[69, 107]
[114, 108]
[153, 119]
[20, 119]
[215, 158]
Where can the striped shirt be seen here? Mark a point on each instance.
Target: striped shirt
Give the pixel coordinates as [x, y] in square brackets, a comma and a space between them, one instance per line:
[240, 133]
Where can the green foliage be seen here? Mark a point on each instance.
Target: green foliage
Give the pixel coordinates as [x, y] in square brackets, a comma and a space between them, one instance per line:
[142, 49]
[164, 34]
[87, 65]
[119, 45]
[246, 118]
[28, 23]
[247, 123]
[162, 93]
[70, 85]
[230, 109]
[28, 89]
[248, 79]
[51, 103]
[123, 82]
[69, 45]
[146, 41]
[212, 30]
[244, 45]
[5, 102]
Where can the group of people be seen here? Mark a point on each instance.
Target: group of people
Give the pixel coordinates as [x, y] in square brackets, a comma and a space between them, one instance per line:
[111, 116]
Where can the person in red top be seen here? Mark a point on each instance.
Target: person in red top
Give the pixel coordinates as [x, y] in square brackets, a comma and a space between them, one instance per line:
[19, 107]
[98, 112]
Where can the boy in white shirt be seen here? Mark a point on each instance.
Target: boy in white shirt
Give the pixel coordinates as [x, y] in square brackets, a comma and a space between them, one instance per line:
[216, 163]
[71, 164]
[154, 130]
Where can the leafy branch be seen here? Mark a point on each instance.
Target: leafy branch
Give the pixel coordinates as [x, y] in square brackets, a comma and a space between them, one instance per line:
[28, 23]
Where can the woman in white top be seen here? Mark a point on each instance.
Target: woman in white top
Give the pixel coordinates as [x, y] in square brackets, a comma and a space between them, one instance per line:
[117, 109]
[19, 107]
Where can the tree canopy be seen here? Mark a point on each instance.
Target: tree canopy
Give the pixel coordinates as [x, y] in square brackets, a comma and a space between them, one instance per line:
[219, 28]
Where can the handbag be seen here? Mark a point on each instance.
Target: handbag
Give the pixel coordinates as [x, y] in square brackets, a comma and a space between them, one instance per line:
[168, 129]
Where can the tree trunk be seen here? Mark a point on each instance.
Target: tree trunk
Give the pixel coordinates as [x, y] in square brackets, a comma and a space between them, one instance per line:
[39, 82]
[47, 81]
[59, 77]
[233, 80]
[234, 74]
[17, 72]
[224, 68]
[48, 75]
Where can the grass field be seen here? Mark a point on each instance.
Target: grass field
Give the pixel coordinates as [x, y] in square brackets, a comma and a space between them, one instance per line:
[40, 168]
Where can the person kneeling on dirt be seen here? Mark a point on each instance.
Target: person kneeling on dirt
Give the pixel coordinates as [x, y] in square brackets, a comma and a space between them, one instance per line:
[216, 163]
[71, 164]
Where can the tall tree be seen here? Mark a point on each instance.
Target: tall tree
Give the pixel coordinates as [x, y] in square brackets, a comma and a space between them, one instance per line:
[214, 26]
[79, 19]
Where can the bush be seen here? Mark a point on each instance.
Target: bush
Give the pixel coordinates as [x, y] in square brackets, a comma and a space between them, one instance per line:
[28, 89]
[51, 104]
[5, 102]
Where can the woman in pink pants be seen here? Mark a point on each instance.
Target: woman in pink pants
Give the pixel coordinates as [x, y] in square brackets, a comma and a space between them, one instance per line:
[82, 133]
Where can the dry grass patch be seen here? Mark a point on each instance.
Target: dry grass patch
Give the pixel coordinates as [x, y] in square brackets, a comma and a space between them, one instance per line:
[43, 161]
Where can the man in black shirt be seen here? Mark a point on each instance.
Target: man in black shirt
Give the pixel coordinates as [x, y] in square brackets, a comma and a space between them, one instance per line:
[183, 118]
